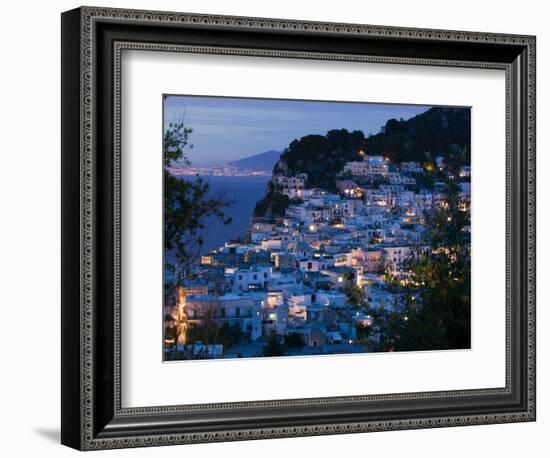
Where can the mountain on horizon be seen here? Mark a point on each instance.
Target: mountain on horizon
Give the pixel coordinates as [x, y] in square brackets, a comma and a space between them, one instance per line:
[261, 161]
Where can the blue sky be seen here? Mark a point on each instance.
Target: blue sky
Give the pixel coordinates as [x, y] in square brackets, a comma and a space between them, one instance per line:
[226, 129]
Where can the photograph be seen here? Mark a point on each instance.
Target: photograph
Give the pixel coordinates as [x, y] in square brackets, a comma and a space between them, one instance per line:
[311, 228]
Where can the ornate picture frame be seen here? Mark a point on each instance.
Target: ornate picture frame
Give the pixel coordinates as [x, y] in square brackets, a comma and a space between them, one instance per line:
[93, 416]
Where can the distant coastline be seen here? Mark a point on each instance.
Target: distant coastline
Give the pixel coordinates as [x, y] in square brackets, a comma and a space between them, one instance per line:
[245, 191]
[219, 171]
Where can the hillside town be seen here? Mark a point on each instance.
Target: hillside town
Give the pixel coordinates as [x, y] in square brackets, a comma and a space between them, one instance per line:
[320, 278]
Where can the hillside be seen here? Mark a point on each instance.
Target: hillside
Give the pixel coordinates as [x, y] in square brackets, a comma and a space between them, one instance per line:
[262, 161]
[439, 131]
[321, 156]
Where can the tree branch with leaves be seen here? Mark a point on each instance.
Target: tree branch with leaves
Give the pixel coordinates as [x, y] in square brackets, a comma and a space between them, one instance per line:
[437, 308]
[188, 205]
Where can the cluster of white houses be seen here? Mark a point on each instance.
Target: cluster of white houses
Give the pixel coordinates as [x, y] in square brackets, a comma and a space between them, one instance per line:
[292, 275]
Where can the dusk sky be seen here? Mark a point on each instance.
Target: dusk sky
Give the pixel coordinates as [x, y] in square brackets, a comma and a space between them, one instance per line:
[226, 129]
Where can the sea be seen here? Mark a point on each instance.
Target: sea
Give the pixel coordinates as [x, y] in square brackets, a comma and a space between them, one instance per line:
[244, 191]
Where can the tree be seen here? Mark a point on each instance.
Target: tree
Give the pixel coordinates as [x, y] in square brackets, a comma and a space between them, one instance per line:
[205, 327]
[187, 206]
[321, 157]
[438, 131]
[229, 335]
[294, 339]
[273, 346]
[273, 204]
[355, 294]
[437, 307]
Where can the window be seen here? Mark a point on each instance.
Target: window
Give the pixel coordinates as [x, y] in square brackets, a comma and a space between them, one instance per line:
[238, 312]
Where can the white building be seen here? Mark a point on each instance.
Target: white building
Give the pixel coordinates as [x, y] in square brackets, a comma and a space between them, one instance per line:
[465, 171]
[232, 309]
[249, 278]
[371, 166]
[290, 185]
[275, 320]
[396, 255]
[343, 208]
[330, 298]
[298, 304]
[424, 199]
[411, 167]
[315, 264]
[396, 178]
[274, 299]
[271, 244]
[237, 248]
[296, 212]
[404, 199]
[377, 197]
[367, 260]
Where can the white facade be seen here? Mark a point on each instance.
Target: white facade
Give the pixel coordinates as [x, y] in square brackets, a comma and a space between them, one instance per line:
[330, 298]
[370, 166]
[245, 279]
[377, 197]
[291, 185]
[233, 309]
[411, 167]
[399, 179]
[465, 171]
[271, 244]
[396, 255]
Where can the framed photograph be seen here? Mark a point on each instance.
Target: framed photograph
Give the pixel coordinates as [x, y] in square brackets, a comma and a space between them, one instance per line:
[276, 228]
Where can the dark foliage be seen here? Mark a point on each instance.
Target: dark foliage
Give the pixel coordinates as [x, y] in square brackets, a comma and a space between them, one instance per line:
[273, 204]
[293, 340]
[438, 309]
[187, 205]
[273, 347]
[440, 131]
[321, 156]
